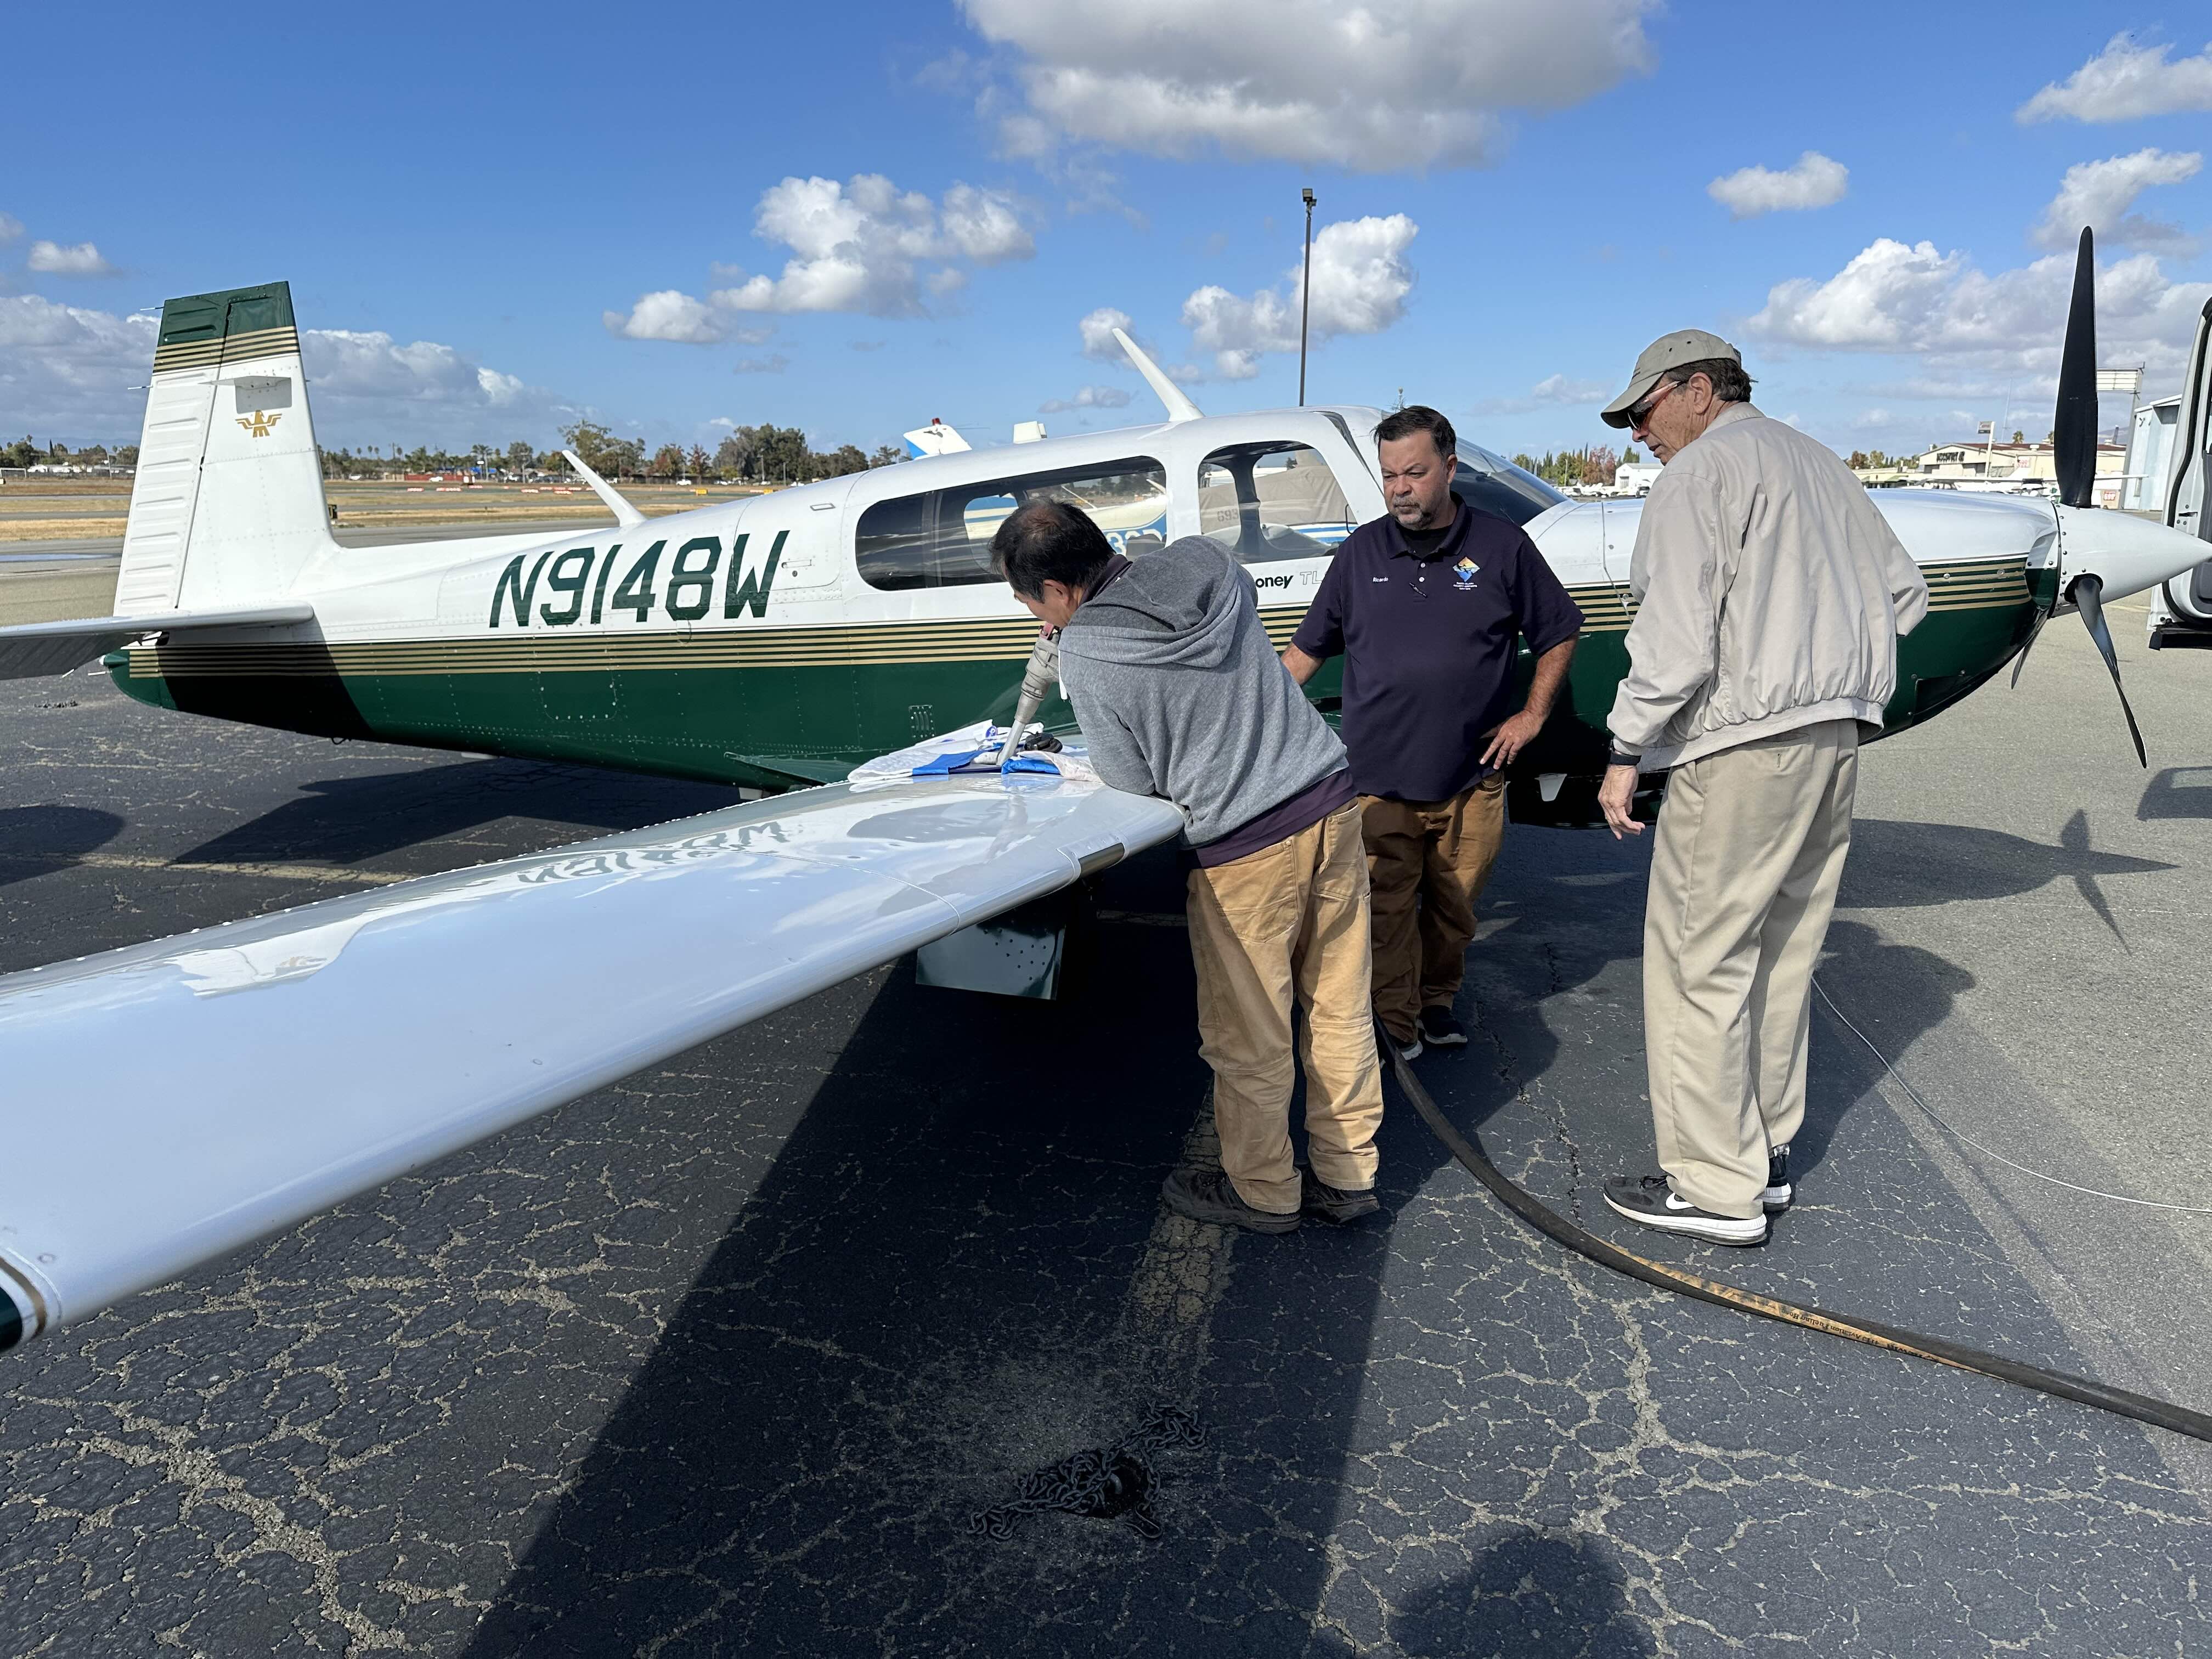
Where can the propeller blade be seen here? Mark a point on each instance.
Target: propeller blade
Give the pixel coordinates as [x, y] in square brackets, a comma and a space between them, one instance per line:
[2074, 426]
[2088, 594]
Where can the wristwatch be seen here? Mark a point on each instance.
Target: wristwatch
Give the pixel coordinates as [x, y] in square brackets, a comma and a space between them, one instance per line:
[1614, 757]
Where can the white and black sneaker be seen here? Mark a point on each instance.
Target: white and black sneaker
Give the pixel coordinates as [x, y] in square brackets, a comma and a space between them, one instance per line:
[1775, 1197]
[1405, 1048]
[1440, 1029]
[1652, 1201]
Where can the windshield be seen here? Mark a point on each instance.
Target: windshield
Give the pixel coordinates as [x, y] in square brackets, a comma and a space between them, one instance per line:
[1491, 483]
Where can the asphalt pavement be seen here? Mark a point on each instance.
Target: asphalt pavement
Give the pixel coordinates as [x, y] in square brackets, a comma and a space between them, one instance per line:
[728, 1358]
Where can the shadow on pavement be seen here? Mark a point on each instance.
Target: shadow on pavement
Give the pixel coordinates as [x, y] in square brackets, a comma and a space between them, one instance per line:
[36, 839]
[345, 820]
[2178, 792]
[1894, 864]
[1527, 1594]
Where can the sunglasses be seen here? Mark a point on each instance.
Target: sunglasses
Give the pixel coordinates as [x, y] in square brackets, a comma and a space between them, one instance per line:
[1642, 412]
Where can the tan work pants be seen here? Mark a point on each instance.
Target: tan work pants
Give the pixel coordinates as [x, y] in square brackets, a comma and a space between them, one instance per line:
[1441, 853]
[1289, 922]
[1751, 844]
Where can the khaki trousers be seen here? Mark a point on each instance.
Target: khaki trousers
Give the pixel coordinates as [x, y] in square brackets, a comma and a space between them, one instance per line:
[1287, 923]
[1751, 844]
[1441, 853]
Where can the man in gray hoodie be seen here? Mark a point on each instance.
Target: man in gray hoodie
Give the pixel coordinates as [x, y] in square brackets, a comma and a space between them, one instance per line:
[1181, 695]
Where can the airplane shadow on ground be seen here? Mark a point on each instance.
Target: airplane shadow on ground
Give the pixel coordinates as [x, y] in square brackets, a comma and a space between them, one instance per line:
[2178, 792]
[1894, 865]
[34, 840]
[345, 820]
[957, 1271]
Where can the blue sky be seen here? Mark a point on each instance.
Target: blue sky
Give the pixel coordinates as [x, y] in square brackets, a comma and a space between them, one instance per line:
[1514, 197]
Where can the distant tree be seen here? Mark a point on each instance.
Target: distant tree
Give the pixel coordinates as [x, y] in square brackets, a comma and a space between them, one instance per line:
[668, 461]
[127, 455]
[698, 462]
[1603, 464]
[1859, 460]
[2019, 437]
[591, 441]
[520, 456]
[1628, 457]
[886, 455]
[781, 453]
[734, 458]
[845, 458]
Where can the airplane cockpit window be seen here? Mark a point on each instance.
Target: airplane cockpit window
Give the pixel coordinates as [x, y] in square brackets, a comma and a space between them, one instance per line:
[1272, 501]
[942, 537]
[1490, 483]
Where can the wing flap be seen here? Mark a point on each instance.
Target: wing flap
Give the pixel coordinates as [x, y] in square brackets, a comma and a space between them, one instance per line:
[252, 1074]
[30, 650]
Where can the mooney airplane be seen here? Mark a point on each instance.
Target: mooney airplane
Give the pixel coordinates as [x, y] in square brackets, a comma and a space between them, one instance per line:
[775, 642]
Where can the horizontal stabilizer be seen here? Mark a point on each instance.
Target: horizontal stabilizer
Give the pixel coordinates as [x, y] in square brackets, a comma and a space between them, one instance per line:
[250, 1075]
[34, 649]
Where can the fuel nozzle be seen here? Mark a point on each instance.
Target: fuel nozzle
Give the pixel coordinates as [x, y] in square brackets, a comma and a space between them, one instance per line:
[1038, 681]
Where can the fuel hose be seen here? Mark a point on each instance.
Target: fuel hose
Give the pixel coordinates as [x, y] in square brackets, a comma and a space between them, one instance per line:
[1467, 1149]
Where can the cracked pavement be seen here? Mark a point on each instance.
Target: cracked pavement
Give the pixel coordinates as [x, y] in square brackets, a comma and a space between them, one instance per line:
[723, 1358]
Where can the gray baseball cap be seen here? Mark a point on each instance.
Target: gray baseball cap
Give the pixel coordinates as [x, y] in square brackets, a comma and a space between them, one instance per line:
[1684, 345]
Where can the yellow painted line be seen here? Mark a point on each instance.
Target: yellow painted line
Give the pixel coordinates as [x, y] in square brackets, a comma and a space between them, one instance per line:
[268, 871]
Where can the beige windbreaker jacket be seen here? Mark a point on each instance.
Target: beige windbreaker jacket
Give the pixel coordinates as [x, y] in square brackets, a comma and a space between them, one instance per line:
[1770, 595]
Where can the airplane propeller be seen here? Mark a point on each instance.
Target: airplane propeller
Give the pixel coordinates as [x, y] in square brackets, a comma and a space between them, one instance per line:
[2074, 442]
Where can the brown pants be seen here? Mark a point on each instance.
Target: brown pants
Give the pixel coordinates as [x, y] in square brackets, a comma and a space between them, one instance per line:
[1287, 923]
[1441, 853]
[1751, 846]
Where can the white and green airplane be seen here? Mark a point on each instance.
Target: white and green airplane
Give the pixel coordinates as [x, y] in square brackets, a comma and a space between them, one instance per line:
[175, 1100]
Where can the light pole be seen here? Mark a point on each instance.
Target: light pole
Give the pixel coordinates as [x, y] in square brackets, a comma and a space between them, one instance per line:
[1305, 297]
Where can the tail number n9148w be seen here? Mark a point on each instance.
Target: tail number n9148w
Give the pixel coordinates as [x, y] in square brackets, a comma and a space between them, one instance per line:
[578, 585]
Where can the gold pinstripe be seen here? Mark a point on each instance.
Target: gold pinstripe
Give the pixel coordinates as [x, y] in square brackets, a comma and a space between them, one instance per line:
[202, 354]
[1605, 609]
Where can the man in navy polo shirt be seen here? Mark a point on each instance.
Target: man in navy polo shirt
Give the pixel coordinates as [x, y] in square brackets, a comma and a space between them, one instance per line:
[1427, 606]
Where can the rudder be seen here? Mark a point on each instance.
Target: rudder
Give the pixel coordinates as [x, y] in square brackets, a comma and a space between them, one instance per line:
[228, 505]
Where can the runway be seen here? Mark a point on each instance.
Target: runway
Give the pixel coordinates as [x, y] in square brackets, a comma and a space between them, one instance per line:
[722, 1359]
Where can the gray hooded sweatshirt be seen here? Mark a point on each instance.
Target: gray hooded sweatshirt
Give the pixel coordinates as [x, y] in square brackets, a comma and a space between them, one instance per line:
[1180, 693]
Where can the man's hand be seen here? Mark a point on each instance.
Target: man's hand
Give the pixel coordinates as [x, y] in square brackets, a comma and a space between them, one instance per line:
[1616, 795]
[1511, 738]
[1303, 667]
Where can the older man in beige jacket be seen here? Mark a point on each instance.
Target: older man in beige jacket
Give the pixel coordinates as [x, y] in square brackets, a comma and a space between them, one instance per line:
[1770, 595]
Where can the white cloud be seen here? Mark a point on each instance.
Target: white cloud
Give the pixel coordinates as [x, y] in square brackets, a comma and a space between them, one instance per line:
[2100, 193]
[1553, 391]
[857, 245]
[1089, 397]
[1814, 182]
[69, 370]
[1360, 280]
[2123, 82]
[1892, 297]
[772, 365]
[80, 259]
[668, 314]
[1372, 88]
[10, 226]
[1097, 332]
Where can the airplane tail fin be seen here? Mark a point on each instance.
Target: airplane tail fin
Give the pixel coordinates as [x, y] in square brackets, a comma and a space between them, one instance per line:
[228, 507]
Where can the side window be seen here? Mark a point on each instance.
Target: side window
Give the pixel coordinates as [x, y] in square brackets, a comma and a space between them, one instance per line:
[1492, 484]
[942, 537]
[1272, 501]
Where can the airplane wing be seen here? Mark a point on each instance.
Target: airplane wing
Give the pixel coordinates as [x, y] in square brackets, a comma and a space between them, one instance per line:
[32, 649]
[175, 1100]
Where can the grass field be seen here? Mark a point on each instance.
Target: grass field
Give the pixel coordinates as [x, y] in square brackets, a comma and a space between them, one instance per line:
[93, 509]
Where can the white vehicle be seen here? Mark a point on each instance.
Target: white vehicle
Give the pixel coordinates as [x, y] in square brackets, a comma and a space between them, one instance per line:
[2181, 605]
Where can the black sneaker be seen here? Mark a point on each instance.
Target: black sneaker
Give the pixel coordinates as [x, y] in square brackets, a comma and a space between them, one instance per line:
[1652, 1201]
[1207, 1195]
[1324, 1202]
[1440, 1029]
[1778, 1191]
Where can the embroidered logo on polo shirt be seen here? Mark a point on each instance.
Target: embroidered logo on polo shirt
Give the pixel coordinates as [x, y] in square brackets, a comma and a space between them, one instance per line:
[1465, 570]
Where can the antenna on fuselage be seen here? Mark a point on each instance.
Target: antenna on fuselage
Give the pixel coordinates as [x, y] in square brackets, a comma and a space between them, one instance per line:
[1180, 408]
[625, 515]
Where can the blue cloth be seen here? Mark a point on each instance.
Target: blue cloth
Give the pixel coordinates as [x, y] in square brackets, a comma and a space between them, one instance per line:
[958, 759]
